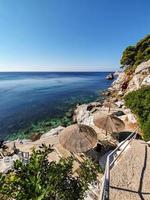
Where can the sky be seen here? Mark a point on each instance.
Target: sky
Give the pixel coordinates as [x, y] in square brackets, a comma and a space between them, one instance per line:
[69, 35]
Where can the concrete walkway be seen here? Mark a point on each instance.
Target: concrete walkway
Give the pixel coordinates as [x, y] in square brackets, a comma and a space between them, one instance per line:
[130, 177]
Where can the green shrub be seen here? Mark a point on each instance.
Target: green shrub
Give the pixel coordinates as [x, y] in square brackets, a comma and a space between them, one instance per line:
[134, 55]
[40, 179]
[139, 103]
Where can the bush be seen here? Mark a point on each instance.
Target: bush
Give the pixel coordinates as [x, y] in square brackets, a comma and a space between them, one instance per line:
[139, 103]
[40, 179]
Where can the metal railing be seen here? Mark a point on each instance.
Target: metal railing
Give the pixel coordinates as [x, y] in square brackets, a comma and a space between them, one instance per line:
[111, 159]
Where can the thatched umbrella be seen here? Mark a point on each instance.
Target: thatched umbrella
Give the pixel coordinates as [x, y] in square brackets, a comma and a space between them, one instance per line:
[109, 104]
[109, 123]
[78, 138]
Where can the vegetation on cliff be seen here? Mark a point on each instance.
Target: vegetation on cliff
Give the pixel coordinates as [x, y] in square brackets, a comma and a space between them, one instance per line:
[40, 179]
[134, 55]
[139, 103]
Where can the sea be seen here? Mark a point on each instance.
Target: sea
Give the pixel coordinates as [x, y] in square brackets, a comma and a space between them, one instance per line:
[28, 97]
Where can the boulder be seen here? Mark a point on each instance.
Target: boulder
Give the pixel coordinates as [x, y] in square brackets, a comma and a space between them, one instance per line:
[82, 114]
[54, 131]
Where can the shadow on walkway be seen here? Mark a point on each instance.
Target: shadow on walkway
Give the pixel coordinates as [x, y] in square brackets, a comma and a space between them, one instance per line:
[139, 191]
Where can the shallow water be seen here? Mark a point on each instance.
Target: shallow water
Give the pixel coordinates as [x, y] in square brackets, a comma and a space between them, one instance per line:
[29, 97]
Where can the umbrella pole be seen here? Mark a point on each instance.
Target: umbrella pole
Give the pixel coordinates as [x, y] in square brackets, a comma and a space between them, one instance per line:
[109, 109]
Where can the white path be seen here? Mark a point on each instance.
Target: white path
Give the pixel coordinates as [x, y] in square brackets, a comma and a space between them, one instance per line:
[130, 178]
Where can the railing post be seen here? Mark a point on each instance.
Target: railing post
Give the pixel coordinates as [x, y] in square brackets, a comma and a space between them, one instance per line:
[106, 190]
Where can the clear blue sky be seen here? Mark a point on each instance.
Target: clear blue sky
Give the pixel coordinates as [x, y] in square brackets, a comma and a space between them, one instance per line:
[69, 35]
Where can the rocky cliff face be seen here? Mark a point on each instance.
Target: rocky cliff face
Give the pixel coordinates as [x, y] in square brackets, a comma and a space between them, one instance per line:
[141, 77]
[125, 83]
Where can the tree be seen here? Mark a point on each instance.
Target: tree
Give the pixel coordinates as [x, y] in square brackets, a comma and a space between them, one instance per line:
[134, 55]
[40, 179]
[128, 57]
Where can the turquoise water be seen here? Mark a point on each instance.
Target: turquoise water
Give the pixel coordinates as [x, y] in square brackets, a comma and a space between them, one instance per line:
[26, 98]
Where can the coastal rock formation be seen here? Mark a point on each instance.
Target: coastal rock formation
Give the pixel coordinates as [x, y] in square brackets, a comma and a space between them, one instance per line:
[82, 114]
[138, 80]
[141, 77]
[144, 67]
[117, 83]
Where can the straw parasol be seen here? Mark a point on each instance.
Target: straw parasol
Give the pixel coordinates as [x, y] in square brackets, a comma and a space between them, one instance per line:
[109, 123]
[109, 104]
[78, 138]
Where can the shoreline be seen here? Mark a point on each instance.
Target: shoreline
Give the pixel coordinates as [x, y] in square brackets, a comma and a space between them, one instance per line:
[42, 126]
[82, 114]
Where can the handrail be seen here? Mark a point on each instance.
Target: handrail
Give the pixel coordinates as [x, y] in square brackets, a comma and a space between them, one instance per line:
[104, 195]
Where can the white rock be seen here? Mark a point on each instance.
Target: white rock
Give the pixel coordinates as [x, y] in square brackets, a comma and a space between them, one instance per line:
[146, 81]
[144, 66]
[82, 114]
[131, 118]
[54, 131]
[135, 83]
[119, 103]
[15, 157]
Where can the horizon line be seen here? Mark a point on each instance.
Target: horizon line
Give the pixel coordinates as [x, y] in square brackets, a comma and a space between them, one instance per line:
[60, 71]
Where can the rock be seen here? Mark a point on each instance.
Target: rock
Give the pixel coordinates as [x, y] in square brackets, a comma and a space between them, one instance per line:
[120, 93]
[120, 79]
[140, 78]
[82, 114]
[92, 105]
[135, 83]
[15, 157]
[105, 92]
[131, 118]
[116, 73]
[114, 99]
[111, 90]
[110, 76]
[119, 103]
[54, 131]
[119, 113]
[146, 81]
[144, 67]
